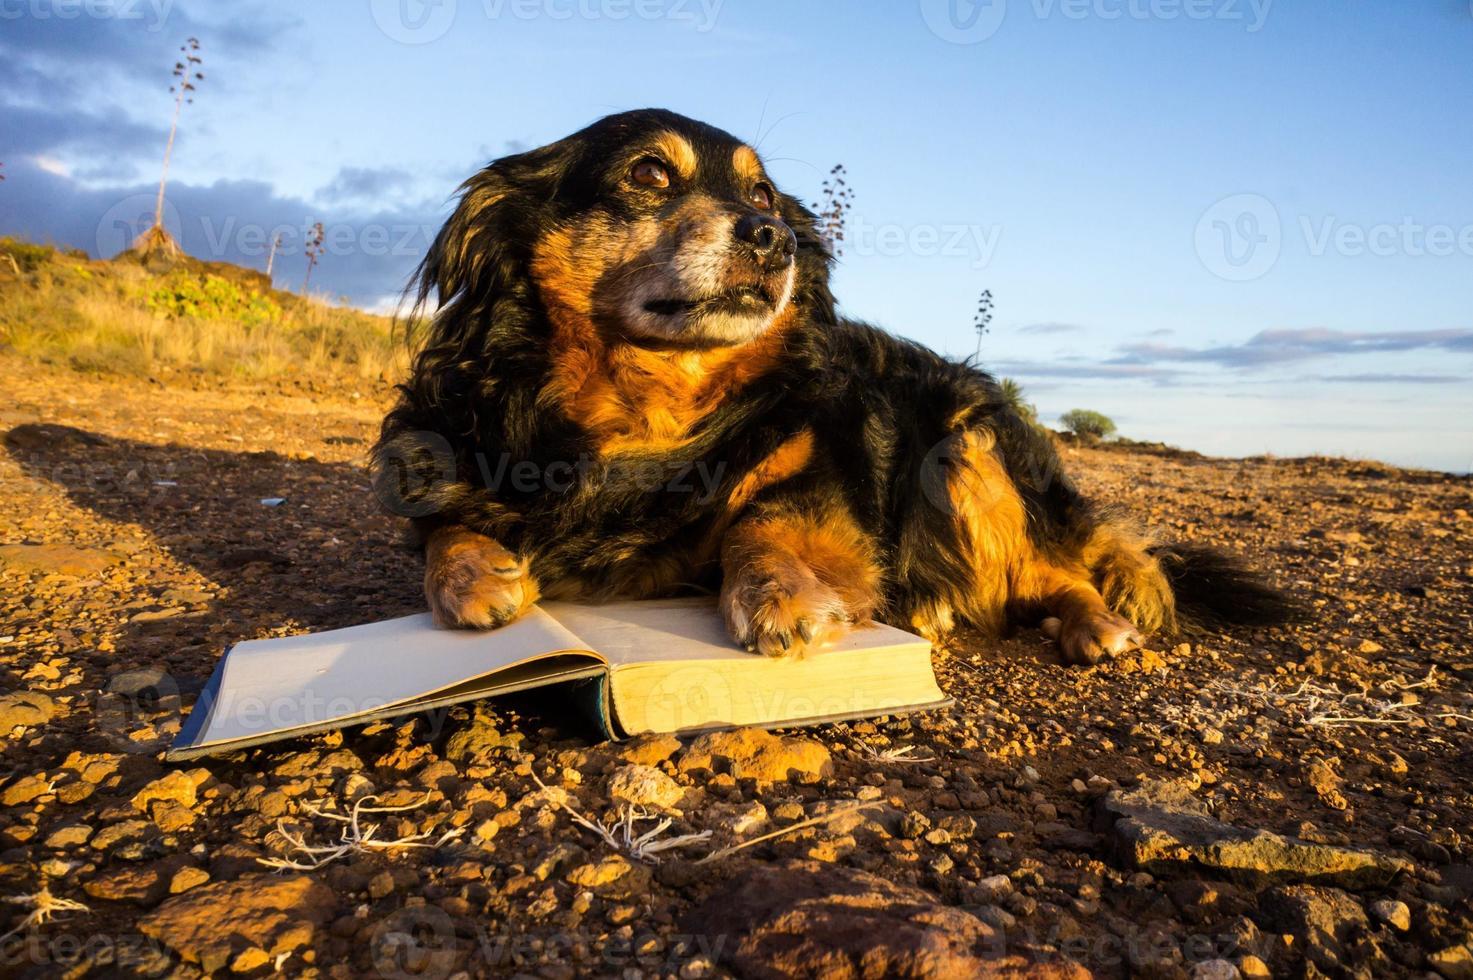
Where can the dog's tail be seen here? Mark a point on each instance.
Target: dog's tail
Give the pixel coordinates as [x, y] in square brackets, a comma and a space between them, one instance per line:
[1180, 588]
[1213, 589]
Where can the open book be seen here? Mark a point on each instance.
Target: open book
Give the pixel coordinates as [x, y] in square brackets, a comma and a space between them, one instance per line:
[659, 665]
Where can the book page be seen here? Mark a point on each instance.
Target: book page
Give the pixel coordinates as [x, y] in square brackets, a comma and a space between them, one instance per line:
[292, 682]
[664, 630]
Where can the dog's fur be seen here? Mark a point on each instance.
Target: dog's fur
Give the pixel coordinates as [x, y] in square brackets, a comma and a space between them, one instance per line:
[617, 397]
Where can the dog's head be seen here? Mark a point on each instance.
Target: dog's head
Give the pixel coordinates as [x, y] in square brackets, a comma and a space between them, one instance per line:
[647, 227]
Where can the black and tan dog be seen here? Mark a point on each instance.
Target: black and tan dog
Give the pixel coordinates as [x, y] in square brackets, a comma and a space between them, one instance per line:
[635, 382]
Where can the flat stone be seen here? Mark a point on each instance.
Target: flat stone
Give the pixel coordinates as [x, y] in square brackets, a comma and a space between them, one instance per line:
[25, 709]
[58, 559]
[1160, 827]
[212, 924]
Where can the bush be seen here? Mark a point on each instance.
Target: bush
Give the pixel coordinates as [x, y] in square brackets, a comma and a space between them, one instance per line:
[1087, 425]
[26, 256]
[207, 297]
[1012, 396]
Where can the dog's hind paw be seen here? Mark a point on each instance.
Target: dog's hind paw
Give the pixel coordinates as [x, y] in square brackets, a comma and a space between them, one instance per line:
[473, 582]
[1088, 638]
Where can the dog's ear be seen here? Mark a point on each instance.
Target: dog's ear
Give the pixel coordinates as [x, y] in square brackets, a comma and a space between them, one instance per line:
[485, 243]
[811, 290]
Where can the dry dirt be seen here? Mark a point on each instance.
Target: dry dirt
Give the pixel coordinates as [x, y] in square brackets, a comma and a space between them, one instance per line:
[1289, 801]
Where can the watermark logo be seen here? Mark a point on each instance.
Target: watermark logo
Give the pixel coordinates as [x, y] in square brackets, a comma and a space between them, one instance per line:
[409, 472]
[1240, 237]
[974, 21]
[135, 702]
[121, 224]
[964, 21]
[975, 242]
[153, 12]
[415, 943]
[413, 21]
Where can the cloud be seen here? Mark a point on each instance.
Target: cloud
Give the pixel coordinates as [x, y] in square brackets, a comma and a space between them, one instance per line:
[365, 183]
[369, 250]
[32, 131]
[1077, 368]
[1270, 347]
[1051, 328]
[1374, 378]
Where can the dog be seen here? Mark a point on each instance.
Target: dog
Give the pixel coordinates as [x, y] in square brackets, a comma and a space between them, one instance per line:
[634, 383]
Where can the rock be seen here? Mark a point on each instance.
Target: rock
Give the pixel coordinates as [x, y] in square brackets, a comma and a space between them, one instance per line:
[1326, 782]
[1252, 967]
[140, 885]
[1160, 827]
[737, 819]
[1215, 970]
[991, 889]
[186, 878]
[644, 786]
[805, 919]
[1393, 913]
[176, 787]
[25, 709]
[25, 789]
[71, 835]
[1454, 963]
[212, 924]
[612, 877]
[651, 750]
[479, 739]
[753, 753]
[57, 559]
[249, 959]
[1326, 920]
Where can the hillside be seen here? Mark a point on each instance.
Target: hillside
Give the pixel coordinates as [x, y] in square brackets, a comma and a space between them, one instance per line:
[186, 316]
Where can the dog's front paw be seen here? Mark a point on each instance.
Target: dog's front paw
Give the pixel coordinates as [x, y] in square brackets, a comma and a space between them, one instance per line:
[1089, 637]
[472, 582]
[783, 612]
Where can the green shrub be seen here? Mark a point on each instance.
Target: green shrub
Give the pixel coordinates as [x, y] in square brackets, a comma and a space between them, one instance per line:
[28, 257]
[209, 297]
[1087, 425]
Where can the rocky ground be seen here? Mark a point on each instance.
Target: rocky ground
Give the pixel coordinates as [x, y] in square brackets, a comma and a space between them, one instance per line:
[1278, 802]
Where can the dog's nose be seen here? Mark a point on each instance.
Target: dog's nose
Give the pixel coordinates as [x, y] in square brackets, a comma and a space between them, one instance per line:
[771, 240]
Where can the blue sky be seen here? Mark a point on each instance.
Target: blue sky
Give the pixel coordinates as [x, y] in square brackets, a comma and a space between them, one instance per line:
[1235, 225]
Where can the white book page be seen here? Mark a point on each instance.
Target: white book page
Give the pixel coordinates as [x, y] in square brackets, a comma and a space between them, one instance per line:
[292, 682]
[664, 630]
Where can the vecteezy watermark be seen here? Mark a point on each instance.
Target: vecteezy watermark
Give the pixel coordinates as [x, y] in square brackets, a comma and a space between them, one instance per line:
[423, 21]
[122, 223]
[964, 21]
[422, 942]
[66, 950]
[974, 21]
[417, 473]
[1241, 237]
[154, 12]
[974, 242]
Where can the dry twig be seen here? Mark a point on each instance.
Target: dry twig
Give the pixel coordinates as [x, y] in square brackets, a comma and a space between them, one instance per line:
[355, 838]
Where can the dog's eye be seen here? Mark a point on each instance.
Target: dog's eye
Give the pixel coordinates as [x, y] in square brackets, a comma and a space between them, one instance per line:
[761, 197]
[650, 172]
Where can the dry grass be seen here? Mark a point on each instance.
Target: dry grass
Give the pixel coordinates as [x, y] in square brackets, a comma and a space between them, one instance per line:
[119, 318]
